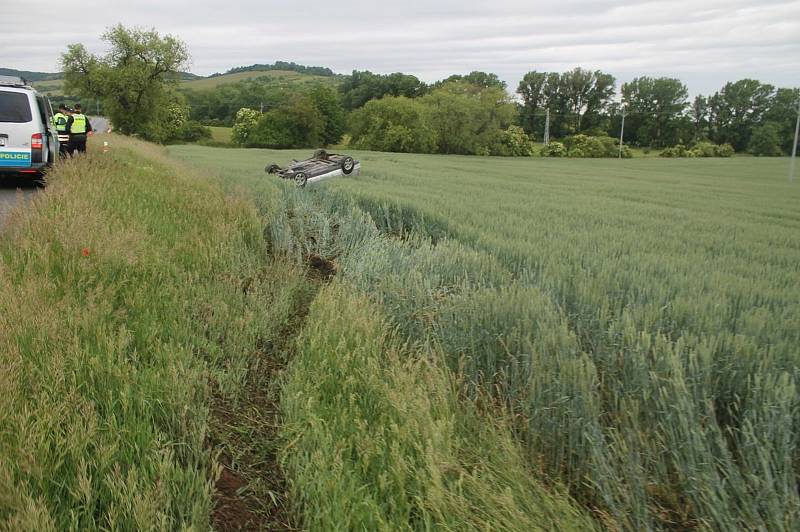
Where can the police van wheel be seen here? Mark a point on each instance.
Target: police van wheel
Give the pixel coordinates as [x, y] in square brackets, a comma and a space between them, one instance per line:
[348, 164]
[300, 179]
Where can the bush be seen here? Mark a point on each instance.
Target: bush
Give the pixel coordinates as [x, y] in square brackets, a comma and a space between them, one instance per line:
[678, 150]
[191, 131]
[724, 150]
[705, 149]
[594, 146]
[554, 149]
[585, 146]
[246, 120]
[766, 141]
[396, 124]
[700, 149]
[297, 124]
[514, 142]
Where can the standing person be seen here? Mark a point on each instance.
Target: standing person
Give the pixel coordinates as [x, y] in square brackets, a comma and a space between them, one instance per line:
[60, 121]
[78, 127]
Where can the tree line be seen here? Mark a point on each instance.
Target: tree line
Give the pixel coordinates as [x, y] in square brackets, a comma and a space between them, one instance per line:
[472, 113]
[658, 112]
[465, 114]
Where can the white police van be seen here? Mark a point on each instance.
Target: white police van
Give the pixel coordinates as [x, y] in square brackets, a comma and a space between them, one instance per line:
[28, 139]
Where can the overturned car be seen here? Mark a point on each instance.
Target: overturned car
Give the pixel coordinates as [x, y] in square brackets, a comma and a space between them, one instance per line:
[322, 165]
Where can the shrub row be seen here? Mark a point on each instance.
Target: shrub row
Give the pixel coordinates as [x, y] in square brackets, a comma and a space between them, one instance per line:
[700, 149]
[580, 146]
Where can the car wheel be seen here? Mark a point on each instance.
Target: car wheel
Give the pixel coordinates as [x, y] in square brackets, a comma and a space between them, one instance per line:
[300, 179]
[272, 168]
[348, 164]
[320, 154]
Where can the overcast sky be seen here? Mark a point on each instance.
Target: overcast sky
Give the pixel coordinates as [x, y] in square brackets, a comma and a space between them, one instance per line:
[704, 43]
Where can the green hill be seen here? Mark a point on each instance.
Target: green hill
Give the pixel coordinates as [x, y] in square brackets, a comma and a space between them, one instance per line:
[29, 75]
[278, 76]
[283, 65]
[50, 87]
[52, 84]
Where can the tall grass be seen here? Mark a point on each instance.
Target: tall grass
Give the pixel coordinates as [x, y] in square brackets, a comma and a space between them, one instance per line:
[639, 319]
[378, 438]
[129, 289]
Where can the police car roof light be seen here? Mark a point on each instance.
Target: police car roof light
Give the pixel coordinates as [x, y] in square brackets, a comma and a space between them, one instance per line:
[13, 81]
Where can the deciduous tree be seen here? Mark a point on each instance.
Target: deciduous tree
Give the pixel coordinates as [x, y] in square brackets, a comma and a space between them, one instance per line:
[655, 110]
[739, 108]
[134, 79]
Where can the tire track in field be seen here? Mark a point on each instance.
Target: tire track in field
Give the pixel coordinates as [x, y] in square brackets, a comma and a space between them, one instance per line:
[251, 490]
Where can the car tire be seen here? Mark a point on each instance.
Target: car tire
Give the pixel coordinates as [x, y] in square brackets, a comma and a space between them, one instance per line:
[272, 168]
[320, 154]
[300, 179]
[348, 165]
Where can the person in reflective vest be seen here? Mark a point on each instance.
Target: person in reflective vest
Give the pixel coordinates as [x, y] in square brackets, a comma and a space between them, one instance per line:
[60, 121]
[78, 127]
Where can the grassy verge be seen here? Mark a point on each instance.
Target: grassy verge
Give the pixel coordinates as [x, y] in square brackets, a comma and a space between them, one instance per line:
[130, 292]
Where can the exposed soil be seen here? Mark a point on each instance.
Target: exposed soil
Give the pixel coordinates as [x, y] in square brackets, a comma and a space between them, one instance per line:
[320, 268]
[230, 512]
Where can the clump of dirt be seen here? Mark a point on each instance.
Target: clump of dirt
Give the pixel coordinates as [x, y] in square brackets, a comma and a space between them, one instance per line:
[230, 510]
[320, 267]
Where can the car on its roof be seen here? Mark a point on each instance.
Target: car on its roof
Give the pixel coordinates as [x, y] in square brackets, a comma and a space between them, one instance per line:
[28, 138]
[322, 165]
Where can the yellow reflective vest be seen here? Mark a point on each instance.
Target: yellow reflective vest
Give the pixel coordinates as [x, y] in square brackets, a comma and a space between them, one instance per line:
[60, 121]
[78, 124]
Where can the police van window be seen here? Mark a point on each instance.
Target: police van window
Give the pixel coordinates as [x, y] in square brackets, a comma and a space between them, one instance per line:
[44, 109]
[14, 107]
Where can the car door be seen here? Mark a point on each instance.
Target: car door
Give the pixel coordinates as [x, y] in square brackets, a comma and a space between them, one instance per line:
[16, 128]
[46, 111]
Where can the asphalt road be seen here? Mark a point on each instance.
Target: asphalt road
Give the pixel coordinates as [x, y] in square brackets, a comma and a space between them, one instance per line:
[14, 192]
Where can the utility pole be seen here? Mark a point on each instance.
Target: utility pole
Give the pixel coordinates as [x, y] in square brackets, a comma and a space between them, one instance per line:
[547, 127]
[621, 132]
[794, 146]
[262, 108]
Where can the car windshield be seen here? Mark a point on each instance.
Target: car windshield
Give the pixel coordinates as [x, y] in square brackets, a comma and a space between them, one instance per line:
[14, 107]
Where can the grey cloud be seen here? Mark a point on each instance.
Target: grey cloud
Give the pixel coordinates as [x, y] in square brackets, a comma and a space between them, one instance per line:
[704, 43]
